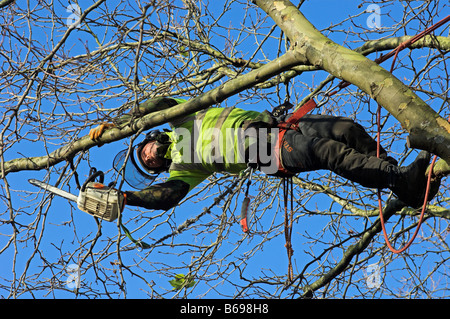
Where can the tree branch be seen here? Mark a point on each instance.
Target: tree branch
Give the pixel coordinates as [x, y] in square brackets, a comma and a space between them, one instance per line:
[5, 3]
[427, 129]
[432, 210]
[355, 249]
[203, 101]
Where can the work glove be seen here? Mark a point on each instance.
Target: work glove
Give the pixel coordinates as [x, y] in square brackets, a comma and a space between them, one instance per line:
[96, 132]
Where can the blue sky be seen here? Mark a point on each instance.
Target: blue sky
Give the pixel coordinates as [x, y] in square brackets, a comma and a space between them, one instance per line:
[269, 261]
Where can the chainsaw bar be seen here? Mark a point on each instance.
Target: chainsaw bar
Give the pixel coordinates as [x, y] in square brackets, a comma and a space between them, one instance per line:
[54, 190]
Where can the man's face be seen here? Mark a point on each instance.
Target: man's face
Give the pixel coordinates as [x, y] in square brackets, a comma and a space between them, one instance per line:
[149, 155]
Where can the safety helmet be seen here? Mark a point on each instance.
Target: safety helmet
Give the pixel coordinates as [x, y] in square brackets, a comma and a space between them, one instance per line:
[161, 142]
[136, 173]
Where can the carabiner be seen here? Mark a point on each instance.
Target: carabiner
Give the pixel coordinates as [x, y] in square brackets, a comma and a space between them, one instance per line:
[325, 95]
[322, 98]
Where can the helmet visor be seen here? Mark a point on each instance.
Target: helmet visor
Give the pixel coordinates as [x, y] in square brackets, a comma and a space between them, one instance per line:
[132, 174]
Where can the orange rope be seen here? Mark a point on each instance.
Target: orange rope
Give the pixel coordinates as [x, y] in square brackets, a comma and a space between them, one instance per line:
[383, 58]
[391, 248]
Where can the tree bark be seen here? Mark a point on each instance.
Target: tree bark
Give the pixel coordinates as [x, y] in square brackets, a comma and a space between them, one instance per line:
[309, 47]
[427, 129]
[230, 88]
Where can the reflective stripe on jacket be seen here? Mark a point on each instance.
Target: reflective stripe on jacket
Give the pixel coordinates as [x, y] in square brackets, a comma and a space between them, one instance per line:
[209, 141]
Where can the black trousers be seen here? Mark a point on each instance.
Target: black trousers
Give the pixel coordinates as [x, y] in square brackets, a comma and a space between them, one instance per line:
[340, 145]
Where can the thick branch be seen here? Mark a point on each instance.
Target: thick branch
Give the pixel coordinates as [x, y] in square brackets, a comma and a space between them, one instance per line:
[5, 3]
[436, 42]
[427, 129]
[203, 101]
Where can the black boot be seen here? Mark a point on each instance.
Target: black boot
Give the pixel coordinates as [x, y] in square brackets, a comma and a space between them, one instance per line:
[409, 183]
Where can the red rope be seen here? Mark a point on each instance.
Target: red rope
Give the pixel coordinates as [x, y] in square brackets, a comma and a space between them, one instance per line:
[391, 248]
[381, 59]
[412, 40]
[344, 84]
[395, 52]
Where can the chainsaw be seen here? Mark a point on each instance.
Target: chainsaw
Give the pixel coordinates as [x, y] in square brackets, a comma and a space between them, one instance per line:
[94, 198]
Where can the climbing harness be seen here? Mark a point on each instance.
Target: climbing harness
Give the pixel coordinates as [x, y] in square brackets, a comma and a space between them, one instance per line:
[292, 122]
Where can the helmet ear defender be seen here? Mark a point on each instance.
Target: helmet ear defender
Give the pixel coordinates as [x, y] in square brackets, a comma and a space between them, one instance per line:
[156, 135]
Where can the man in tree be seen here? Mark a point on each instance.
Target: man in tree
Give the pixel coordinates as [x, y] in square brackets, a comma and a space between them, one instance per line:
[333, 143]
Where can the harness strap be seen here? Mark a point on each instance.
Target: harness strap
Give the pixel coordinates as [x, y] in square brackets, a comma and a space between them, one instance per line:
[306, 108]
[290, 124]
